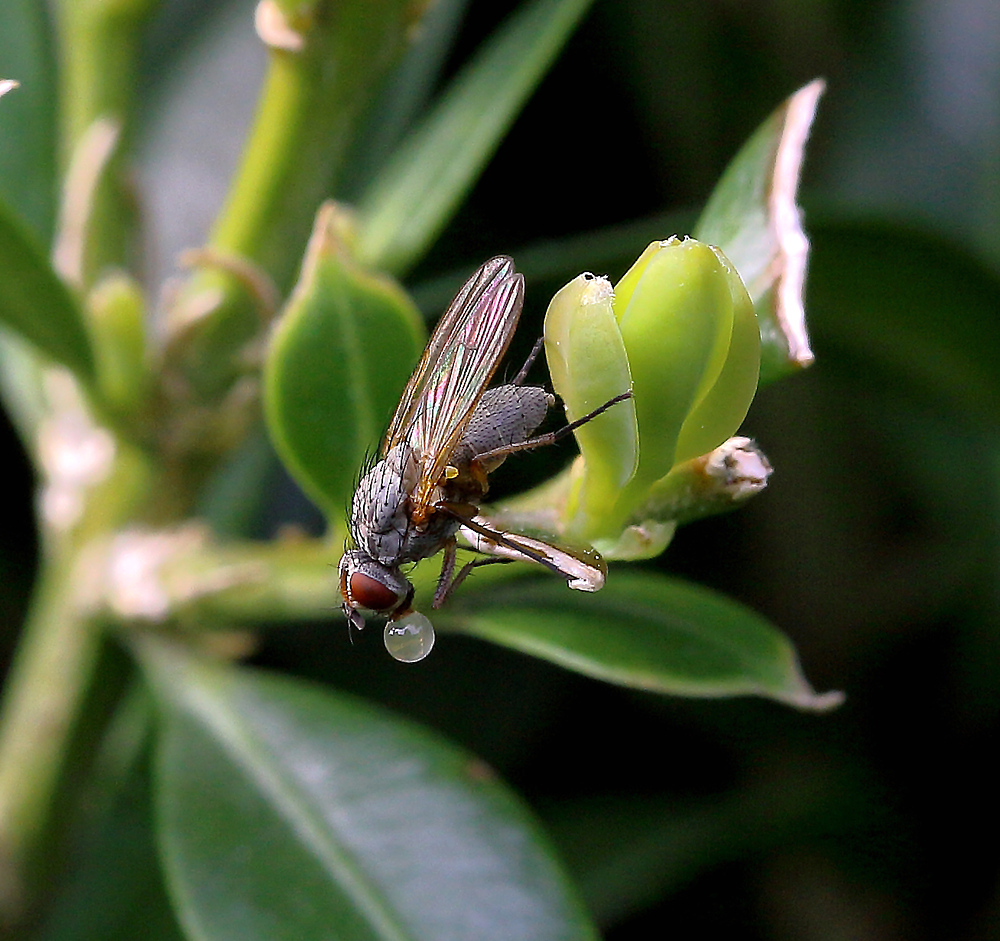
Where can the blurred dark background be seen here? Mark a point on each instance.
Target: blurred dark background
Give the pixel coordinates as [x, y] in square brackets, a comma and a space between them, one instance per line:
[876, 545]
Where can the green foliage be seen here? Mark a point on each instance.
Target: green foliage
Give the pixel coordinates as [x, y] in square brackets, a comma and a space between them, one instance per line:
[27, 286]
[28, 183]
[179, 793]
[410, 201]
[646, 632]
[292, 812]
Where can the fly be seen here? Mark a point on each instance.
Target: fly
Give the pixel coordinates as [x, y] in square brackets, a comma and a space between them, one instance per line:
[449, 432]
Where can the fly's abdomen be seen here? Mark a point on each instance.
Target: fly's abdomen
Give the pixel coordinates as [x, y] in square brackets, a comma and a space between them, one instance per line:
[505, 415]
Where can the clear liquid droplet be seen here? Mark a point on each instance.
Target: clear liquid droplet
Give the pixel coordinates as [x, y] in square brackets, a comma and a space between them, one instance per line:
[411, 638]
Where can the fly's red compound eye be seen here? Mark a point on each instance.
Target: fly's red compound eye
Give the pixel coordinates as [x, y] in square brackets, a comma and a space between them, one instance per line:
[371, 593]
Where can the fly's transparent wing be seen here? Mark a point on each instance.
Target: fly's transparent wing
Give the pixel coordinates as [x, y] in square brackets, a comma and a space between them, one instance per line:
[461, 357]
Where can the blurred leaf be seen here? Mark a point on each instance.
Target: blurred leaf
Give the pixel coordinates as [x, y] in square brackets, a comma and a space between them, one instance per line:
[909, 308]
[753, 217]
[28, 116]
[338, 360]
[35, 303]
[629, 852]
[116, 316]
[404, 96]
[287, 811]
[413, 198]
[604, 251]
[114, 889]
[644, 631]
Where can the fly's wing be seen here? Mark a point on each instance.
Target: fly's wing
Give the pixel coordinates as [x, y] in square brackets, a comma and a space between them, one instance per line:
[461, 357]
[583, 567]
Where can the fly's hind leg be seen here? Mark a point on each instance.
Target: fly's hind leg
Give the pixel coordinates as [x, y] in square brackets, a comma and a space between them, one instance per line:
[553, 436]
[446, 584]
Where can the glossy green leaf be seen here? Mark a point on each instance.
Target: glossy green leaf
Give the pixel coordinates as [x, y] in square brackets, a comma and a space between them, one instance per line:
[338, 361]
[644, 631]
[753, 217]
[35, 303]
[291, 812]
[910, 310]
[421, 186]
[28, 116]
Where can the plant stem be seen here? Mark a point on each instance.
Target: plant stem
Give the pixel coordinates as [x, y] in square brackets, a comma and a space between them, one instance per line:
[47, 686]
[308, 111]
[98, 50]
[56, 694]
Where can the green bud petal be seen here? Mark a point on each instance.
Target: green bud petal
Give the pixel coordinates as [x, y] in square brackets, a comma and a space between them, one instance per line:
[625, 287]
[721, 410]
[588, 366]
[116, 316]
[676, 321]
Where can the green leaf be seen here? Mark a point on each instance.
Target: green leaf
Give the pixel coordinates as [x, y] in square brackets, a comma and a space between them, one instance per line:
[28, 116]
[35, 303]
[291, 812]
[337, 364]
[753, 217]
[430, 173]
[911, 310]
[644, 631]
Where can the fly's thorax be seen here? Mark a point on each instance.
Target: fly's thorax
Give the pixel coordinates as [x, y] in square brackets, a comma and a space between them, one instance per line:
[505, 415]
[379, 512]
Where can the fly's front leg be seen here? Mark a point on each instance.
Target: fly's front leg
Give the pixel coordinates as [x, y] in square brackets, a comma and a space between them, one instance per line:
[532, 356]
[447, 569]
[446, 584]
[463, 573]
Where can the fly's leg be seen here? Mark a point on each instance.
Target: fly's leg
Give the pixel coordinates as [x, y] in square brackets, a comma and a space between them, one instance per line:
[447, 569]
[553, 436]
[446, 584]
[532, 356]
[445, 591]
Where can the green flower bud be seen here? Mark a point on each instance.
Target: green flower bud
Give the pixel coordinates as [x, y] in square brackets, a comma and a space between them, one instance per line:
[722, 408]
[116, 317]
[677, 307]
[688, 338]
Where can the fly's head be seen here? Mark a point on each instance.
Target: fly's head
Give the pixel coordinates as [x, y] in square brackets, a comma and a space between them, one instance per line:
[367, 584]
